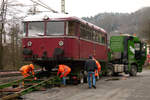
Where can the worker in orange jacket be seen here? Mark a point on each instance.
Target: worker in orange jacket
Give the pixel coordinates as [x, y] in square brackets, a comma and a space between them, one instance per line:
[63, 70]
[27, 70]
[98, 68]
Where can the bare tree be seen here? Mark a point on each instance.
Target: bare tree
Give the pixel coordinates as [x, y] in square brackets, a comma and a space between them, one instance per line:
[14, 44]
[10, 31]
[144, 23]
[3, 17]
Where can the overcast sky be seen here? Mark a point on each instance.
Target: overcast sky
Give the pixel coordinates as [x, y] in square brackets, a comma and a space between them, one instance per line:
[83, 8]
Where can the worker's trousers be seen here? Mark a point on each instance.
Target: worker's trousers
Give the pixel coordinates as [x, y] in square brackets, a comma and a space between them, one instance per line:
[91, 77]
[64, 80]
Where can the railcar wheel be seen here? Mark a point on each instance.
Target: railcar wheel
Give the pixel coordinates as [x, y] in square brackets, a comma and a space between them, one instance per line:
[85, 77]
[133, 71]
[81, 77]
[110, 71]
[115, 74]
[82, 80]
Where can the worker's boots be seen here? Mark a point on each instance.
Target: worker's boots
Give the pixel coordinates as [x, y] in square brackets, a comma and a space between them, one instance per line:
[94, 86]
[62, 85]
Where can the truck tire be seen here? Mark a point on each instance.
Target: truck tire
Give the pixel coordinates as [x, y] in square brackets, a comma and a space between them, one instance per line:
[133, 71]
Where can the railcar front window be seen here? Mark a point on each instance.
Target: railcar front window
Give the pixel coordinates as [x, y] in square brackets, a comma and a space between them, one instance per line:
[143, 47]
[55, 28]
[36, 28]
[25, 28]
[137, 46]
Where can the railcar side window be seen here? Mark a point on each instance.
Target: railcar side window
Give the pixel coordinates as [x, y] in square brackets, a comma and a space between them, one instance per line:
[86, 32]
[94, 37]
[71, 28]
[103, 39]
[99, 38]
[55, 28]
[83, 33]
[36, 28]
[91, 34]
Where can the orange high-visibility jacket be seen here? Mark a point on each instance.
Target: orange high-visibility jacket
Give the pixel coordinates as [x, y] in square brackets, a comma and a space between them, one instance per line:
[64, 70]
[26, 69]
[98, 67]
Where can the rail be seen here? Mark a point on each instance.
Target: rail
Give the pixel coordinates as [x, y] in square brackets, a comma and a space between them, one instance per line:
[23, 86]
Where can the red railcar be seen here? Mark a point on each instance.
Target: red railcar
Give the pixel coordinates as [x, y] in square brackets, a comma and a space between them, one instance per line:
[52, 39]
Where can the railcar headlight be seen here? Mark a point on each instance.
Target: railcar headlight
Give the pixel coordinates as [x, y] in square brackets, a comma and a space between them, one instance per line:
[29, 43]
[46, 17]
[61, 43]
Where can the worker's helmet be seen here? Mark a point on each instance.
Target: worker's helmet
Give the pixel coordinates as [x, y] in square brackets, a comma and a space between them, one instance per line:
[32, 66]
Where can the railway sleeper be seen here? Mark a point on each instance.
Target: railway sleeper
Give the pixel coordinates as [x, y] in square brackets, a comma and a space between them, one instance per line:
[24, 86]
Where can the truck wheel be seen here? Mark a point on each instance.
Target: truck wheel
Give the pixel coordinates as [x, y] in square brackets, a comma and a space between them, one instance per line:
[110, 71]
[133, 71]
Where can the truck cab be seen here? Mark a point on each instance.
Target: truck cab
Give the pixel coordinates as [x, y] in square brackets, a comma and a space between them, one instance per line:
[128, 54]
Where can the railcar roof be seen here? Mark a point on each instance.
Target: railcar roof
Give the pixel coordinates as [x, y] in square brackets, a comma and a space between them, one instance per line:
[59, 17]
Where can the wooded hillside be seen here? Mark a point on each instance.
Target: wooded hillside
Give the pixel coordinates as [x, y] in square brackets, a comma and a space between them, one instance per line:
[137, 22]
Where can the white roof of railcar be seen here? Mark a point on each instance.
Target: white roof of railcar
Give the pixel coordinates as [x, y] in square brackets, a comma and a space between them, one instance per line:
[41, 16]
[60, 16]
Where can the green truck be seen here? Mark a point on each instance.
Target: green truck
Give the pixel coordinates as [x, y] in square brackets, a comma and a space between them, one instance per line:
[127, 54]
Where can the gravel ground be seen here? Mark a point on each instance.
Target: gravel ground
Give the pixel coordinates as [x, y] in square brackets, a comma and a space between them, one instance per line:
[126, 88]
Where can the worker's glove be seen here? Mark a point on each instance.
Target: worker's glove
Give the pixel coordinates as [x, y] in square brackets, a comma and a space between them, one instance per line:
[35, 78]
[63, 73]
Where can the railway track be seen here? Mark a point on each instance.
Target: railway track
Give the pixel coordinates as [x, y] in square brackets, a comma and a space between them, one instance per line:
[9, 73]
[15, 89]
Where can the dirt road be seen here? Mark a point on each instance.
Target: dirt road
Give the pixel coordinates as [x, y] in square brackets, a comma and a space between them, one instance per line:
[132, 88]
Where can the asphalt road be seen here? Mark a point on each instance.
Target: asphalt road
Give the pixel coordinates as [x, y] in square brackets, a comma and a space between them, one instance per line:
[122, 88]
